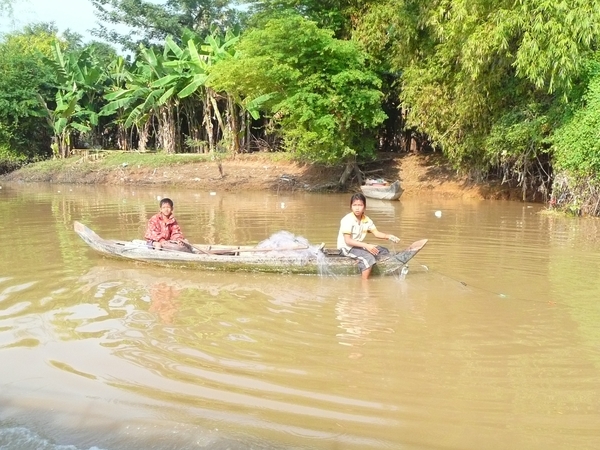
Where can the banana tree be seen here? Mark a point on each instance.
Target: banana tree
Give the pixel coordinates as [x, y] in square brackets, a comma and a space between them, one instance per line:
[190, 68]
[145, 95]
[222, 49]
[132, 104]
[118, 75]
[79, 80]
[160, 86]
[188, 77]
[164, 89]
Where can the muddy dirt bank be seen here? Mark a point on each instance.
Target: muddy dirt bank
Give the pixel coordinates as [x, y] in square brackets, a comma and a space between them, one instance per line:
[419, 174]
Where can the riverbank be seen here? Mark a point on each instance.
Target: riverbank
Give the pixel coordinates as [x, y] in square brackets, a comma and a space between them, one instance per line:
[419, 174]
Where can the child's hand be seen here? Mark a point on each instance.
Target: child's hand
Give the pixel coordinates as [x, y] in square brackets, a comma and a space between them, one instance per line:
[393, 238]
[372, 249]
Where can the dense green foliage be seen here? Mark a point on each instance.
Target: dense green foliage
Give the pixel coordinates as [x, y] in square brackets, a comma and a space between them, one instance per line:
[504, 89]
[334, 15]
[487, 82]
[24, 77]
[318, 90]
[576, 150]
[482, 63]
[577, 142]
[150, 23]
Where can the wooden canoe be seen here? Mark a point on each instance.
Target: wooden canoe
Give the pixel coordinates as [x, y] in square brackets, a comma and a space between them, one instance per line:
[315, 260]
[383, 192]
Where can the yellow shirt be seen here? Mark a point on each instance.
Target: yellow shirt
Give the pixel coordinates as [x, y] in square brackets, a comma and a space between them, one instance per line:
[357, 229]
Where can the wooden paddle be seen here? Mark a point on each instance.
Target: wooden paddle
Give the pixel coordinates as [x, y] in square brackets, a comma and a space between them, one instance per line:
[224, 250]
[221, 251]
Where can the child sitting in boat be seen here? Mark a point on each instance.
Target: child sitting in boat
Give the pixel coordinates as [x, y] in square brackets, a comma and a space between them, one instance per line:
[354, 227]
[163, 231]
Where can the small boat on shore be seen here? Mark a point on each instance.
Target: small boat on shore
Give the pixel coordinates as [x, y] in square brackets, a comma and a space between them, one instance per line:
[299, 258]
[382, 190]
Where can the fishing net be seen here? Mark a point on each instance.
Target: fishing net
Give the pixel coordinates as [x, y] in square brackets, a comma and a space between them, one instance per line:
[288, 246]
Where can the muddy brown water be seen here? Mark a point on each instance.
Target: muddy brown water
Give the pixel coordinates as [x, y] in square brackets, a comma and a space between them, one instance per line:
[491, 341]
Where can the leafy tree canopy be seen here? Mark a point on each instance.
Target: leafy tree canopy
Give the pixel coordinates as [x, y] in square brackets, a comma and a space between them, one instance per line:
[317, 88]
[150, 23]
[468, 67]
[576, 144]
[335, 15]
[25, 74]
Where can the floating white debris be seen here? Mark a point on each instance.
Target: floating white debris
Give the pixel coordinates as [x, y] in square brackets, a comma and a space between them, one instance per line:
[438, 214]
[213, 193]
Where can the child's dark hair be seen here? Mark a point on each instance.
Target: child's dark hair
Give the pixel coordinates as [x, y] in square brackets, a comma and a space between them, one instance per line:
[168, 201]
[358, 196]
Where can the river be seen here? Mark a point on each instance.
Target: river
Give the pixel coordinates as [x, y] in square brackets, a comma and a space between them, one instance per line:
[491, 341]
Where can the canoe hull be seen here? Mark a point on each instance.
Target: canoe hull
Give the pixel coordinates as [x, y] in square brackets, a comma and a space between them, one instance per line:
[388, 192]
[312, 261]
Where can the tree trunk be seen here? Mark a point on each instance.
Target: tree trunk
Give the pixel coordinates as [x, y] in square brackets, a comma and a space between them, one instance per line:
[358, 174]
[350, 167]
[122, 138]
[248, 131]
[232, 124]
[143, 134]
[64, 141]
[207, 122]
[218, 114]
[167, 129]
[194, 127]
[244, 132]
[178, 137]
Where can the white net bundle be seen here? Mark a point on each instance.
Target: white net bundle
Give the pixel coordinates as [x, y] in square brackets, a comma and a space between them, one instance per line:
[287, 245]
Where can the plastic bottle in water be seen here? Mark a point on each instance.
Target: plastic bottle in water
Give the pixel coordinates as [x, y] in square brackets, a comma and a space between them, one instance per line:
[404, 271]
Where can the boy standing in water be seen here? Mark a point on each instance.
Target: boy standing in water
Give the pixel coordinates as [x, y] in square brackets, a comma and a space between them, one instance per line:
[163, 231]
[354, 227]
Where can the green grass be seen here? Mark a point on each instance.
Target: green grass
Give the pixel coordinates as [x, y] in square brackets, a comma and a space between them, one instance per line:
[111, 159]
[49, 166]
[151, 160]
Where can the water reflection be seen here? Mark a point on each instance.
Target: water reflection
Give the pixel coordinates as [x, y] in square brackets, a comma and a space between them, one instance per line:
[214, 343]
[163, 301]
[358, 316]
